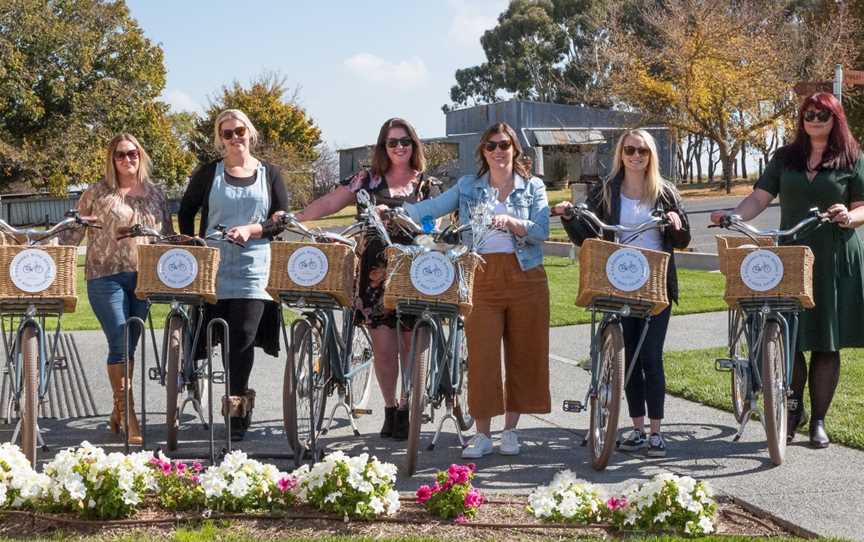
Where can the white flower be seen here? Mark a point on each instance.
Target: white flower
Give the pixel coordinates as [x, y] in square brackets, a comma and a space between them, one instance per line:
[706, 525]
[377, 505]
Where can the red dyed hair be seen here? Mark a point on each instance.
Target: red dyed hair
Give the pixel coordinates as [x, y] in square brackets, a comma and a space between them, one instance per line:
[842, 151]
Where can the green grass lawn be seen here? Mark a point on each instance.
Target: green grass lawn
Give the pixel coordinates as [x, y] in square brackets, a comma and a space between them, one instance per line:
[691, 375]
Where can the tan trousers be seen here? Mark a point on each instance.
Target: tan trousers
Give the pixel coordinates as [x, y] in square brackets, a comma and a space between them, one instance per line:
[511, 306]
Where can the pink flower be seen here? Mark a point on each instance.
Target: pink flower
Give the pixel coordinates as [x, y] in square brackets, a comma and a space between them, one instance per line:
[460, 519]
[616, 503]
[287, 483]
[180, 468]
[195, 479]
[472, 467]
[166, 468]
[424, 493]
[458, 474]
[473, 499]
[197, 467]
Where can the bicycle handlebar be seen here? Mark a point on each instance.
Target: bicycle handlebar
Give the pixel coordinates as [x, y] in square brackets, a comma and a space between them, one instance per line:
[73, 220]
[140, 230]
[657, 221]
[735, 223]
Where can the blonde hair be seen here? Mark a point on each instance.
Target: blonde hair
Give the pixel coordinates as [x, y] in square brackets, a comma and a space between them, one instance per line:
[235, 114]
[654, 182]
[144, 163]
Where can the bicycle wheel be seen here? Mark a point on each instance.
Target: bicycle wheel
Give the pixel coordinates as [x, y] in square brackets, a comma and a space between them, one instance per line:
[360, 384]
[606, 403]
[740, 375]
[173, 377]
[460, 399]
[298, 398]
[774, 390]
[417, 403]
[30, 392]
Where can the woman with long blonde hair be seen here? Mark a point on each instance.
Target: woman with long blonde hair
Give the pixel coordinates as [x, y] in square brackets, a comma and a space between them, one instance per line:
[632, 192]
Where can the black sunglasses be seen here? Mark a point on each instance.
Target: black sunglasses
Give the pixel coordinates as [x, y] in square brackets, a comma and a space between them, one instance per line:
[240, 131]
[402, 142]
[643, 151]
[503, 145]
[822, 115]
[131, 155]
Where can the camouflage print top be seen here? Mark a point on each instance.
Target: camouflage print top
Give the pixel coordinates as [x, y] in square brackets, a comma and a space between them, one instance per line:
[105, 254]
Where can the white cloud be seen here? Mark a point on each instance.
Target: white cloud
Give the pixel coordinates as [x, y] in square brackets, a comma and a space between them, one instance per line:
[470, 19]
[180, 101]
[405, 74]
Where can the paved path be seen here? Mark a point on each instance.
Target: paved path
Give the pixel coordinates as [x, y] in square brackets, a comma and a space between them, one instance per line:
[822, 491]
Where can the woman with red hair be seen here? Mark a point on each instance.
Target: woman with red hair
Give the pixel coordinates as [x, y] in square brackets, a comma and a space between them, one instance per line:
[823, 168]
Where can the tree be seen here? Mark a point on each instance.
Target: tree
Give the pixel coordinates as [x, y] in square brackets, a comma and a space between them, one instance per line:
[711, 65]
[288, 138]
[545, 50]
[72, 74]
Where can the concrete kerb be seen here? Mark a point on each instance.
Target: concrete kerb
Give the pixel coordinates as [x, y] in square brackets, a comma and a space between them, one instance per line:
[702, 261]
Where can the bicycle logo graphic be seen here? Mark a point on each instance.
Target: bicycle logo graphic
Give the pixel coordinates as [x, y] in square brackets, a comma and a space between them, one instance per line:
[761, 270]
[177, 268]
[432, 273]
[33, 270]
[307, 266]
[627, 269]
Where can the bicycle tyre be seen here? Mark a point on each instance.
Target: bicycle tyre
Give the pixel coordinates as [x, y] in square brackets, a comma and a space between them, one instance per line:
[30, 391]
[741, 381]
[360, 384]
[774, 391]
[417, 402]
[606, 404]
[460, 399]
[173, 386]
[298, 397]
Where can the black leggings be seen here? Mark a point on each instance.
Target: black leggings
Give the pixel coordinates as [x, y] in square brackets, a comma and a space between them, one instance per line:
[823, 376]
[647, 384]
[243, 317]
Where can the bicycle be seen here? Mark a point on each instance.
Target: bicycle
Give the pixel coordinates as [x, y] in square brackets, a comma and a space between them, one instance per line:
[607, 356]
[28, 360]
[329, 350]
[762, 329]
[178, 369]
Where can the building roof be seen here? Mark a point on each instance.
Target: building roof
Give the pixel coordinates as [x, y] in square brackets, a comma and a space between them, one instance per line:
[549, 137]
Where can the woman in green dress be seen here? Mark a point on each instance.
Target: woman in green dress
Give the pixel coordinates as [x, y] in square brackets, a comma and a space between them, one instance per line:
[823, 168]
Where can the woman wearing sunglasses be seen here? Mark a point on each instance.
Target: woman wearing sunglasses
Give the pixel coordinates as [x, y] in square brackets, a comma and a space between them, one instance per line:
[511, 292]
[241, 192]
[633, 191]
[394, 178]
[822, 167]
[125, 196]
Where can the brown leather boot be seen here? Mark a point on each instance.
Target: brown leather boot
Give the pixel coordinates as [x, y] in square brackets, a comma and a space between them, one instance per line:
[117, 376]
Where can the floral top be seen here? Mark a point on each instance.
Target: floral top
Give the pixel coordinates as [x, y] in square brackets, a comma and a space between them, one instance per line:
[105, 254]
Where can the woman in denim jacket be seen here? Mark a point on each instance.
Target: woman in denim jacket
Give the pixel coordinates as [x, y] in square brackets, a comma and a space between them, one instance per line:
[511, 292]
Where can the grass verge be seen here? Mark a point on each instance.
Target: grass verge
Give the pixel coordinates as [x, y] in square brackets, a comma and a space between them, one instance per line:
[691, 375]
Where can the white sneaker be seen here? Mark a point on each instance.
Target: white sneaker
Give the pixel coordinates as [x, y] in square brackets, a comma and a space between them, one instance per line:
[509, 443]
[478, 446]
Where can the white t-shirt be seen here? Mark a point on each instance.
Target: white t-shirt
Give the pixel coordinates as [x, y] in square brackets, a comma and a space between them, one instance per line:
[498, 241]
[633, 213]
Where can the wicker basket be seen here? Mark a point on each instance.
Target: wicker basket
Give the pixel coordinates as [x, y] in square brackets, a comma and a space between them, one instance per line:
[593, 281]
[62, 288]
[725, 242]
[796, 283]
[399, 287]
[338, 281]
[203, 284]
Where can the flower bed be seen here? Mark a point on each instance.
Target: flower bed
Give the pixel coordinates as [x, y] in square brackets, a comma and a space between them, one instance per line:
[452, 496]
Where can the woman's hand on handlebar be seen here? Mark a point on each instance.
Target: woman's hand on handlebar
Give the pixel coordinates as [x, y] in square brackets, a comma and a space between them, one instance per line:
[563, 209]
[242, 234]
[718, 216]
[674, 220]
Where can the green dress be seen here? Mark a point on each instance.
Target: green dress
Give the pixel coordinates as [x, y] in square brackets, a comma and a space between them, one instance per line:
[837, 320]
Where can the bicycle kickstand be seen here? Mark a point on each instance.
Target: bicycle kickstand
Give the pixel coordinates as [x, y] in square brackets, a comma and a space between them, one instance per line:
[447, 416]
[343, 403]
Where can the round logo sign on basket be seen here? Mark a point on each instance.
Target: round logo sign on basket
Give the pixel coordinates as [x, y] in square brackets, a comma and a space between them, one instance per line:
[432, 273]
[307, 266]
[761, 270]
[33, 270]
[627, 269]
[177, 268]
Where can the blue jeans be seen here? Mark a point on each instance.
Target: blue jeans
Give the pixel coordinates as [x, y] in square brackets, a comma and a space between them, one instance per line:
[113, 301]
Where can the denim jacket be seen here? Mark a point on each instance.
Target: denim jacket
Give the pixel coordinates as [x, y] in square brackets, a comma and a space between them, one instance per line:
[527, 202]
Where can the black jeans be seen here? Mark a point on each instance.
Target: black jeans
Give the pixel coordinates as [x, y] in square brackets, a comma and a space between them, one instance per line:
[243, 317]
[647, 384]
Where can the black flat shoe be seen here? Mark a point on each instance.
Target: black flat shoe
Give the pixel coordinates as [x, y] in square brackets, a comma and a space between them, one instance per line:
[389, 422]
[238, 428]
[401, 425]
[797, 419]
[818, 436]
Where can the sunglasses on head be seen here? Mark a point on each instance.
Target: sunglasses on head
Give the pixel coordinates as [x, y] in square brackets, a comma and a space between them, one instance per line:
[643, 151]
[131, 155]
[392, 142]
[240, 131]
[821, 116]
[503, 145]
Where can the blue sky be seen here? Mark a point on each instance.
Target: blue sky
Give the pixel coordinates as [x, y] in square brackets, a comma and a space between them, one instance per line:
[356, 63]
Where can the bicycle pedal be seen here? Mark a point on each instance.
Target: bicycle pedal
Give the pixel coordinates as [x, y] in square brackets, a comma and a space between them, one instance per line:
[356, 412]
[584, 442]
[153, 373]
[573, 406]
[61, 363]
[218, 377]
[724, 364]
[430, 448]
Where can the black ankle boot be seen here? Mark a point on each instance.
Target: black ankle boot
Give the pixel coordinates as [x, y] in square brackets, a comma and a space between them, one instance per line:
[238, 428]
[818, 436]
[389, 422]
[798, 418]
[401, 425]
